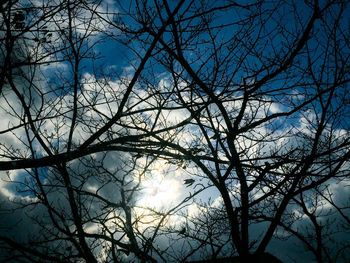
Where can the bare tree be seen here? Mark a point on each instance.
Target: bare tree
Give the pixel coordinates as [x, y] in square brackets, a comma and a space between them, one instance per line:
[239, 89]
[250, 99]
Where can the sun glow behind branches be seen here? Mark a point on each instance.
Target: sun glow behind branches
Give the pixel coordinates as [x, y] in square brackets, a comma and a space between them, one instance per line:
[162, 187]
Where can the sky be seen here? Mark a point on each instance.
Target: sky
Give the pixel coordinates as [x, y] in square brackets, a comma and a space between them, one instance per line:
[144, 182]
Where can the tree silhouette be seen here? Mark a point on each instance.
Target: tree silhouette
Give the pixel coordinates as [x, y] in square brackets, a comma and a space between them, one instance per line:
[245, 102]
